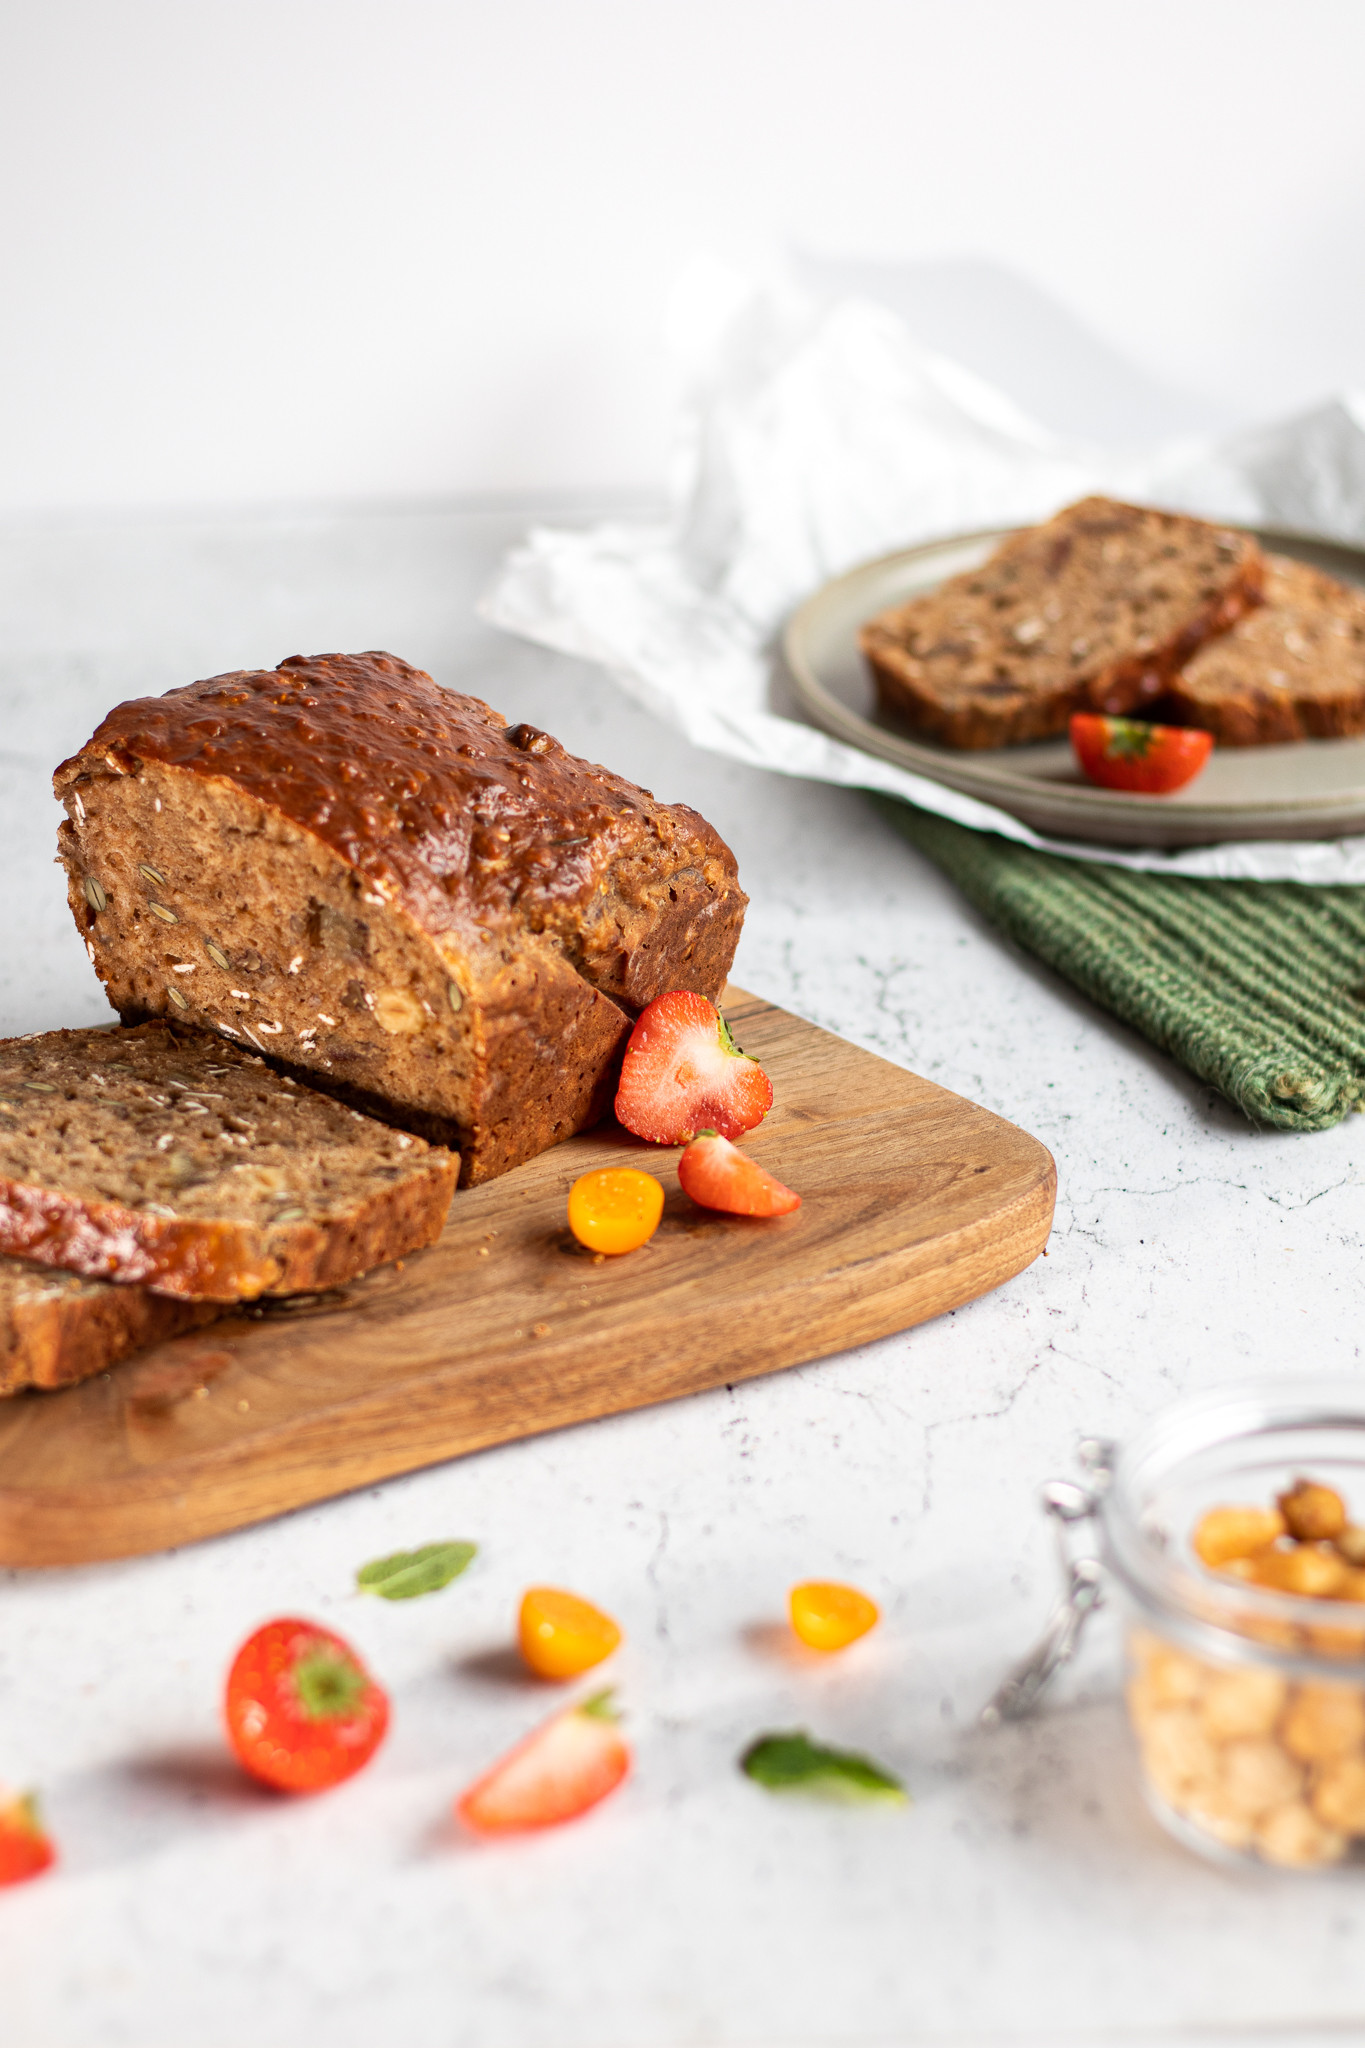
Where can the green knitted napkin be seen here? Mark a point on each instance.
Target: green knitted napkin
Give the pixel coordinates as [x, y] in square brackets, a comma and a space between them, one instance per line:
[1258, 987]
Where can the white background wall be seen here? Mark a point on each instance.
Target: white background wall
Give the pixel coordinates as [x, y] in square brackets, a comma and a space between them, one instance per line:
[253, 249]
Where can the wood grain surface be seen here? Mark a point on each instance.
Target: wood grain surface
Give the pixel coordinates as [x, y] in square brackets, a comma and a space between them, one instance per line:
[915, 1201]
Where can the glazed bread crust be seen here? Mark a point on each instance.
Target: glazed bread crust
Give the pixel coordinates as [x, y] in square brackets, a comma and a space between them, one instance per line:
[57, 1328]
[1094, 610]
[379, 884]
[162, 1157]
[1293, 669]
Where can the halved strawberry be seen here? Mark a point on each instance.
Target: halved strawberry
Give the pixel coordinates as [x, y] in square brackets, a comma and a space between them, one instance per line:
[719, 1176]
[25, 1850]
[565, 1766]
[683, 1072]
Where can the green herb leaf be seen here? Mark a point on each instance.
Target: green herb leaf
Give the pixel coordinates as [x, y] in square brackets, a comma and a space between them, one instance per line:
[410, 1572]
[793, 1763]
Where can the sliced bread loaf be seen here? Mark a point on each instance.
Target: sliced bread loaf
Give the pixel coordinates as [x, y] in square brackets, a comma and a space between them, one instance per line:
[1094, 610]
[57, 1328]
[1293, 669]
[377, 882]
[165, 1157]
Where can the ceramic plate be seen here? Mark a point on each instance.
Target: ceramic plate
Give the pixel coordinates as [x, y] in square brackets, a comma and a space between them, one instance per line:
[1315, 790]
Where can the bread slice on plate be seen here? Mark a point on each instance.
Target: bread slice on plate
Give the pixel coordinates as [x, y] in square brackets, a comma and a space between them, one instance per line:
[448, 921]
[1293, 669]
[57, 1328]
[166, 1158]
[1095, 610]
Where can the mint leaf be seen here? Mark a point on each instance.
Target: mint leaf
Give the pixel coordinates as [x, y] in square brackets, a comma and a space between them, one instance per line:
[791, 1762]
[410, 1572]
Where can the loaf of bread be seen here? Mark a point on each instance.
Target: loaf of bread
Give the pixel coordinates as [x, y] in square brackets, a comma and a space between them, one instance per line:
[449, 922]
[57, 1328]
[163, 1157]
[1292, 669]
[1095, 610]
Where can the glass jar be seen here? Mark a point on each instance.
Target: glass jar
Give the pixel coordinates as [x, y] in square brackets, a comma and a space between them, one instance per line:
[1247, 1703]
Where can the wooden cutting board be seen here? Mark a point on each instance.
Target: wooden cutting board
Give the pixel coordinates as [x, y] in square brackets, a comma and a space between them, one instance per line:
[915, 1201]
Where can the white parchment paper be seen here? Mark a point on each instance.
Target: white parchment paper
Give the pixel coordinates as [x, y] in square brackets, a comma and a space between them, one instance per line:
[817, 436]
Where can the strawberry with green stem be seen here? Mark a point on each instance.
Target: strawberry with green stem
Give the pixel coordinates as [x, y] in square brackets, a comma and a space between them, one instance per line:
[1129, 754]
[302, 1711]
[683, 1072]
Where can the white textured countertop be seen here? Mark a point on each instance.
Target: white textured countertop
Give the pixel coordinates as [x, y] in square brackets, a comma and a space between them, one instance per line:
[1026, 1896]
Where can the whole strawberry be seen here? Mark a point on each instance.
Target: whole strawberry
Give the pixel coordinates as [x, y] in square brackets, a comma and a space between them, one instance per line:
[683, 1072]
[302, 1711]
[25, 1850]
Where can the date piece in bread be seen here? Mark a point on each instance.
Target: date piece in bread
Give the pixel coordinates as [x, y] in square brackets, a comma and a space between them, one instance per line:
[57, 1328]
[375, 881]
[1293, 669]
[163, 1157]
[1093, 611]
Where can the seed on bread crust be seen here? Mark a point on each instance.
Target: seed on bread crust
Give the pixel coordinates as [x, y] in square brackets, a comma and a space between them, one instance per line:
[112, 1194]
[416, 859]
[1094, 610]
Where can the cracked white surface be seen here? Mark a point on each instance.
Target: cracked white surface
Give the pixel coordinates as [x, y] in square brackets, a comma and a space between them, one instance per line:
[1025, 1897]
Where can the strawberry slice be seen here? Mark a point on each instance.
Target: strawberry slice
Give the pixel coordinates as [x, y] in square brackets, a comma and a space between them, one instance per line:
[25, 1850]
[719, 1176]
[683, 1072]
[565, 1766]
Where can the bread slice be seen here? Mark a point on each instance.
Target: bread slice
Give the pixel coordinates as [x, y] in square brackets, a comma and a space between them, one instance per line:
[164, 1157]
[57, 1328]
[1094, 610]
[448, 921]
[1293, 669]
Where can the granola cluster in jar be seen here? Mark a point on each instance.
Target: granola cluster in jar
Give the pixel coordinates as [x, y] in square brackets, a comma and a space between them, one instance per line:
[1264, 1763]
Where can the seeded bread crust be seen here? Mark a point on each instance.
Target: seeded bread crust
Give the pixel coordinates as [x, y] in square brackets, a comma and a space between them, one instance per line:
[1095, 610]
[379, 884]
[165, 1158]
[1293, 669]
[57, 1328]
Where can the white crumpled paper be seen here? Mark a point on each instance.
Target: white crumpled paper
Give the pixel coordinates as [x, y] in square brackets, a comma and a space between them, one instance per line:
[816, 437]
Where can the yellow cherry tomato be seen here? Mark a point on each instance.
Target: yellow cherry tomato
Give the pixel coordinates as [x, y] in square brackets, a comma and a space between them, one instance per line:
[616, 1209]
[828, 1616]
[561, 1635]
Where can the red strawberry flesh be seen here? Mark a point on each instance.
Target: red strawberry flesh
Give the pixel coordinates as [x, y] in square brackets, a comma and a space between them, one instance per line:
[302, 1711]
[717, 1175]
[25, 1850]
[562, 1768]
[683, 1073]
